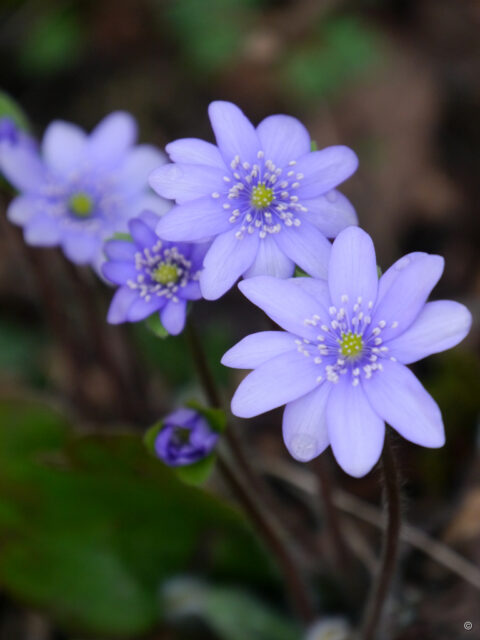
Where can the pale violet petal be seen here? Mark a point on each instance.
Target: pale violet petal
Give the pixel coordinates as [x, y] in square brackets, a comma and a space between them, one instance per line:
[195, 151]
[270, 261]
[22, 209]
[184, 182]
[352, 271]
[324, 170]
[42, 231]
[283, 138]
[120, 304]
[173, 316]
[330, 213]
[22, 166]
[226, 260]
[138, 165]
[111, 139]
[119, 272]
[305, 426]
[63, 146]
[307, 247]
[80, 248]
[274, 383]
[355, 430]
[258, 348]
[400, 399]
[234, 132]
[440, 325]
[194, 220]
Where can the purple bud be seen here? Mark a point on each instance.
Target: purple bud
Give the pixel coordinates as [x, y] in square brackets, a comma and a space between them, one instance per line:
[8, 131]
[185, 438]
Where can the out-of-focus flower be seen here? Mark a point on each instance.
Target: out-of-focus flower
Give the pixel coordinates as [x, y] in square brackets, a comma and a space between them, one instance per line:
[81, 189]
[340, 364]
[154, 275]
[267, 199]
[185, 438]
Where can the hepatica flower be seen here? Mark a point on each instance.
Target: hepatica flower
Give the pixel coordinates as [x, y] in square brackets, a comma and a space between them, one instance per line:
[268, 201]
[339, 366]
[80, 189]
[154, 275]
[184, 438]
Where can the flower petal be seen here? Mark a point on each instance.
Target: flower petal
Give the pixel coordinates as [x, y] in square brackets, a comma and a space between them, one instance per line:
[120, 250]
[270, 261]
[80, 248]
[316, 288]
[226, 260]
[184, 182]
[21, 209]
[307, 247]
[258, 348]
[150, 202]
[120, 304]
[234, 132]
[23, 167]
[283, 138]
[138, 165]
[284, 302]
[141, 309]
[324, 170]
[119, 272]
[410, 284]
[305, 426]
[355, 431]
[42, 231]
[278, 381]
[63, 146]
[398, 396]
[195, 151]
[440, 325]
[112, 138]
[173, 316]
[191, 291]
[352, 271]
[331, 213]
[194, 220]
[142, 234]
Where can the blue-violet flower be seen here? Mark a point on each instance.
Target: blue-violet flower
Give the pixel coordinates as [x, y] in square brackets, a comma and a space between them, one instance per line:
[268, 201]
[339, 366]
[154, 275]
[81, 189]
[185, 438]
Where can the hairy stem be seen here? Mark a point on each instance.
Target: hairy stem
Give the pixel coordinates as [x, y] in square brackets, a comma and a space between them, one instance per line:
[381, 586]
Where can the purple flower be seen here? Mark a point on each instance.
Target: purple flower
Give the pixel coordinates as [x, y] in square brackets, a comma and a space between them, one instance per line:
[154, 275]
[339, 366]
[81, 189]
[267, 199]
[185, 438]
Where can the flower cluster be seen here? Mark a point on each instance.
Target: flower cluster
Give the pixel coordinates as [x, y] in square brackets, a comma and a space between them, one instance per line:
[155, 276]
[79, 190]
[265, 198]
[339, 366]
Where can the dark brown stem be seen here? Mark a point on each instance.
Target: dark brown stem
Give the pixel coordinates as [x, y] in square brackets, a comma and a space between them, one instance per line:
[266, 524]
[273, 538]
[381, 587]
[334, 530]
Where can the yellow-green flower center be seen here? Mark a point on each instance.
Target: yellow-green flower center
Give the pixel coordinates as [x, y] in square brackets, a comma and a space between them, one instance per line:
[166, 273]
[261, 197]
[351, 345]
[81, 205]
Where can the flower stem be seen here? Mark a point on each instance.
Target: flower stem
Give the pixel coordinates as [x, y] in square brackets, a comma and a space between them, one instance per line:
[272, 535]
[381, 587]
[253, 501]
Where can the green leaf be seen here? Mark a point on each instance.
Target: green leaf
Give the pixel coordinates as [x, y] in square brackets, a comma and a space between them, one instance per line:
[313, 145]
[120, 235]
[216, 418]
[151, 435]
[155, 325]
[91, 525]
[198, 472]
[231, 613]
[300, 273]
[9, 108]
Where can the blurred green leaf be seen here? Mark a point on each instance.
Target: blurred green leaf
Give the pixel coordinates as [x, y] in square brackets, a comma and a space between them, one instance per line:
[342, 49]
[198, 472]
[120, 235]
[155, 325]
[231, 613]
[90, 526]
[9, 108]
[21, 349]
[209, 31]
[53, 42]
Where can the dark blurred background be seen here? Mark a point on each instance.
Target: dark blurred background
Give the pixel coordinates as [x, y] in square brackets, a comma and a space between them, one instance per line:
[97, 540]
